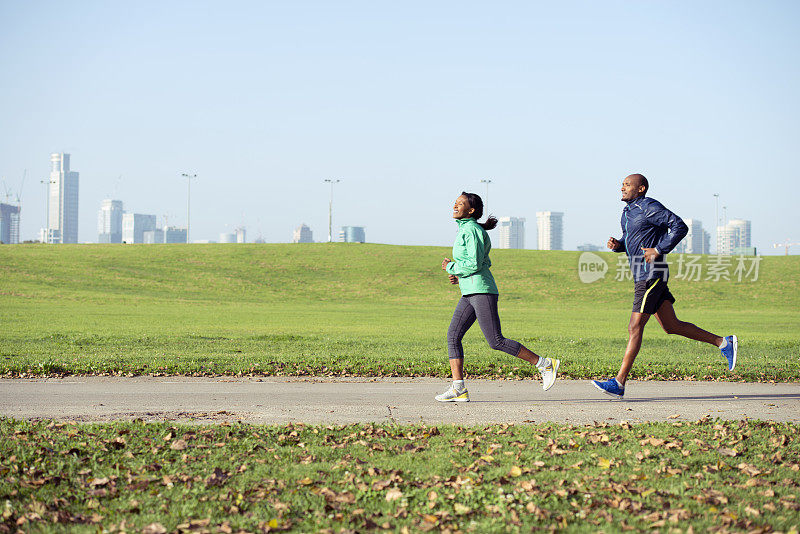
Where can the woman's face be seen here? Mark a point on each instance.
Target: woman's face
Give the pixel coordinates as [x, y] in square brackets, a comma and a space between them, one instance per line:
[461, 209]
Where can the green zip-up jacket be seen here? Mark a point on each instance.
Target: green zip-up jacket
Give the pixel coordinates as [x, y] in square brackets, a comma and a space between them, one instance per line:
[471, 259]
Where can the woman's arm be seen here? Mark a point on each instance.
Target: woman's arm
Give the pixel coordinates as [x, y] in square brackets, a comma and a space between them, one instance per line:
[473, 260]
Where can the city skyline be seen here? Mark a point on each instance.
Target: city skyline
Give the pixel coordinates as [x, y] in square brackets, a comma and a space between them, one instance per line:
[549, 106]
[732, 236]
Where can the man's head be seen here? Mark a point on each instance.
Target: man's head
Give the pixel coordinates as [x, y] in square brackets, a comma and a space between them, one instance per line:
[634, 186]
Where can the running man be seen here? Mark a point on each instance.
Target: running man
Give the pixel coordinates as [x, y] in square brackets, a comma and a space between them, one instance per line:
[649, 232]
[470, 270]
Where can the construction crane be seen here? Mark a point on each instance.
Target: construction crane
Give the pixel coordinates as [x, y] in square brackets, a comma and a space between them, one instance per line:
[786, 244]
[8, 191]
[19, 192]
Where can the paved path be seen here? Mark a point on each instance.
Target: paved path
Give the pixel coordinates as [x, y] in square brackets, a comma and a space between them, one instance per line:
[404, 400]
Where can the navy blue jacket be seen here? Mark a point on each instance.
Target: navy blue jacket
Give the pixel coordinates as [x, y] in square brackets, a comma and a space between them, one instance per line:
[647, 223]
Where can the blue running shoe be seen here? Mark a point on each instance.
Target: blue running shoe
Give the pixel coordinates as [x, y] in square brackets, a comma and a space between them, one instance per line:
[610, 387]
[730, 351]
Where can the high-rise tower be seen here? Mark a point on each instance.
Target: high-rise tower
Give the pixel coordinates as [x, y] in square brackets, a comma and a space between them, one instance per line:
[109, 222]
[512, 232]
[63, 202]
[550, 226]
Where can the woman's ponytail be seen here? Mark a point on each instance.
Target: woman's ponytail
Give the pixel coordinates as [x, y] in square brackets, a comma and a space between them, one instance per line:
[476, 203]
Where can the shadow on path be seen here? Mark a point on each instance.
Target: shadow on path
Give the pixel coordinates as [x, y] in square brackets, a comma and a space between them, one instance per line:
[730, 397]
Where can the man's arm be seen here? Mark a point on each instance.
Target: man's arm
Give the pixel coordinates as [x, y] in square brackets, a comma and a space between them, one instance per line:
[664, 218]
[616, 245]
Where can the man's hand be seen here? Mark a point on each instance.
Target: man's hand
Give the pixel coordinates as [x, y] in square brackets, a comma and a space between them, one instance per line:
[650, 254]
[453, 279]
[613, 244]
[444, 264]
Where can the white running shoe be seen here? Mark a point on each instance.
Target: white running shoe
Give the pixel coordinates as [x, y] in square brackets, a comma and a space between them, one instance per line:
[549, 374]
[453, 395]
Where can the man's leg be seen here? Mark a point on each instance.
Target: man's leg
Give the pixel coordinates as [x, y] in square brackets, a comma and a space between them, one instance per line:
[672, 325]
[635, 331]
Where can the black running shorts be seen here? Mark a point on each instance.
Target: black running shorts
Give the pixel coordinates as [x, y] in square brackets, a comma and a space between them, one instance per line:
[648, 295]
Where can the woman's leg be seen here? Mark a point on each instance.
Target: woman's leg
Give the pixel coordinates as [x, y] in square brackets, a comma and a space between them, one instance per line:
[485, 306]
[463, 318]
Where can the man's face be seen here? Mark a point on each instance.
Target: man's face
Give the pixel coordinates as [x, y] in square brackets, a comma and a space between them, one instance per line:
[632, 188]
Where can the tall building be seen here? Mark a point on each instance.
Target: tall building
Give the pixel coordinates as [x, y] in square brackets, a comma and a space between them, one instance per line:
[734, 238]
[173, 234]
[241, 235]
[9, 224]
[109, 222]
[512, 232]
[153, 237]
[227, 238]
[302, 234]
[134, 225]
[697, 240]
[62, 208]
[550, 227]
[352, 234]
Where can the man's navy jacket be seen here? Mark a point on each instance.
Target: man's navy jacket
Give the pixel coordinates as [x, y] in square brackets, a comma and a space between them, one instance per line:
[647, 223]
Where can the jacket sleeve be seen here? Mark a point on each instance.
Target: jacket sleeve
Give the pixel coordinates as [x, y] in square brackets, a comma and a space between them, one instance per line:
[473, 260]
[621, 247]
[677, 229]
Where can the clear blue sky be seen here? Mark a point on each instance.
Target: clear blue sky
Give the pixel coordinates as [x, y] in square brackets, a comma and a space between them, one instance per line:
[407, 103]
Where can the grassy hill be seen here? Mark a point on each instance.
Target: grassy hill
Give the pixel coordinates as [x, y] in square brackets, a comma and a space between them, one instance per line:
[362, 309]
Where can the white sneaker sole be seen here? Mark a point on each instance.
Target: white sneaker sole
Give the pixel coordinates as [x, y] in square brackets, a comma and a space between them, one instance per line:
[452, 400]
[735, 352]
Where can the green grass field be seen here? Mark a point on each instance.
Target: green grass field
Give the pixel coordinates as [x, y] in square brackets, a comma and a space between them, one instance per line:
[734, 476]
[349, 309]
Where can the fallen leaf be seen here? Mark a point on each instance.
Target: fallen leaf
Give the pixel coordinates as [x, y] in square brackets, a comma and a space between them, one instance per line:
[461, 509]
[604, 463]
[154, 528]
[178, 445]
[393, 494]
[515, 472]
[752, 511]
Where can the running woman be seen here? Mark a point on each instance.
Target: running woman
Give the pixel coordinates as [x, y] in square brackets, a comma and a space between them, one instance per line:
[469, 268]
[649, 232]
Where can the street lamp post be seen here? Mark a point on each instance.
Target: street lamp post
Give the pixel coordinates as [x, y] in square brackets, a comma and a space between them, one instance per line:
[46, 235]
[486, 201]
[716, 220]
[330, 210]
[188, 201]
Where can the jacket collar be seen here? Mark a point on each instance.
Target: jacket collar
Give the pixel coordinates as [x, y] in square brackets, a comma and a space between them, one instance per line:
[634, 203]
[462, 222]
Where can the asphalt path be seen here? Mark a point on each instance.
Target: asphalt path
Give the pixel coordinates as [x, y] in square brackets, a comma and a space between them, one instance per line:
[402, 400]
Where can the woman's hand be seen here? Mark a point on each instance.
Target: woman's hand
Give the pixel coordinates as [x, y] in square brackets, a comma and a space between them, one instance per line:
[453, 279]
[444, 263]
